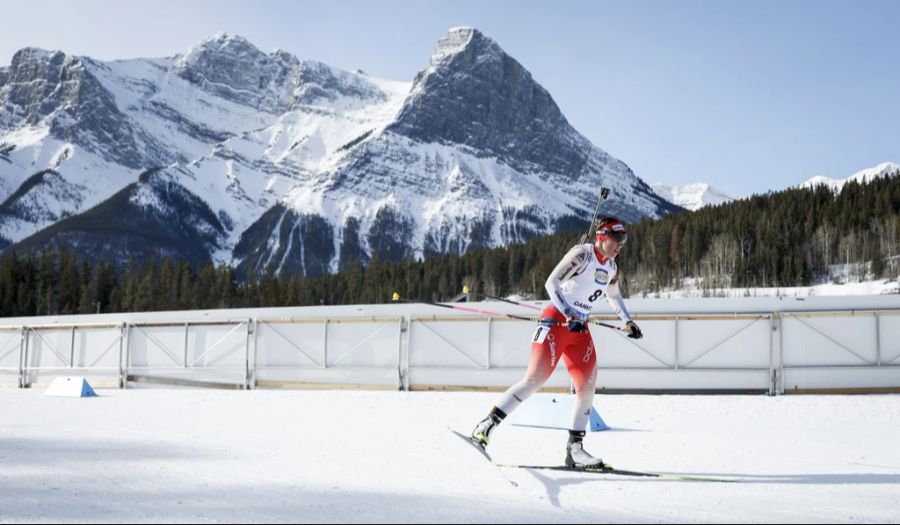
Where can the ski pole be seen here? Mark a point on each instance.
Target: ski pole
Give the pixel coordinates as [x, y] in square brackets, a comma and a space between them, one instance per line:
[532, 307]
[397, 299]
[466, 290]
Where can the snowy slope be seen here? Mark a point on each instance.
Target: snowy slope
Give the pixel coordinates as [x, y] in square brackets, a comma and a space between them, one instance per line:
[244, 176]
[692, 196]
[237, 154]
[49, 179]
[882, 170]
[147, 116]
[166, 456]
[461, 166]
[302, 165]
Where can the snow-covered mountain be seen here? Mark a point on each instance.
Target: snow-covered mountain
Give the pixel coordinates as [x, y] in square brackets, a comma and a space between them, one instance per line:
[260, 159]
[692, 196]
[882, 170]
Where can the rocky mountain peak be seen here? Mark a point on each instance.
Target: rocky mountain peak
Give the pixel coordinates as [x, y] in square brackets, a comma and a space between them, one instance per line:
[62, 93]
[28, 60]
[475, 94]
[40, 82]
[465, 42]
[262, 160]
[231, 67]
[318, 82]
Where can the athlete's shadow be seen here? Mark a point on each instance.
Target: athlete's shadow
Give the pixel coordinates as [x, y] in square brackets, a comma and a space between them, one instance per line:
[553, 485]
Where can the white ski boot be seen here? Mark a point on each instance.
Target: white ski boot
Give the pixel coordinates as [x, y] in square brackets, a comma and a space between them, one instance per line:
[576, 456]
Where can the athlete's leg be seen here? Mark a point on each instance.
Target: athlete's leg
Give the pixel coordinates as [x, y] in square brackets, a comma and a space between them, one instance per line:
[545, 349]
[581, 360]
[544, 357]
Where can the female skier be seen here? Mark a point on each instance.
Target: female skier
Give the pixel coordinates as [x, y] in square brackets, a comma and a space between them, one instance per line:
[584, 275]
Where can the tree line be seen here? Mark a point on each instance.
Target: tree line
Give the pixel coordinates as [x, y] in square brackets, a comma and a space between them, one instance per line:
[788, 238]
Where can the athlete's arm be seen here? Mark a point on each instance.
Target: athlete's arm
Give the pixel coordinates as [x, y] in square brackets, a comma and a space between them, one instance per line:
[614, 298]
[571, 264]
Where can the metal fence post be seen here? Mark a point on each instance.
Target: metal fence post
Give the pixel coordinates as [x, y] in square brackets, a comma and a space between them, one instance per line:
[409, 329]
[22, 344]
[772, 380]
[402, 364]
[72, 349]
[877, 339]
[27, 349]
[677, 319]
[247, 355]
[779, 385]
[127, 355]
[325, 345]
[255, 351]
[490, 323]
[400, 353]
[186, 327]
[122, 355]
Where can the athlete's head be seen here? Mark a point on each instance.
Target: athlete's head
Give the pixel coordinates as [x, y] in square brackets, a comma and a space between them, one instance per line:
[611, 236]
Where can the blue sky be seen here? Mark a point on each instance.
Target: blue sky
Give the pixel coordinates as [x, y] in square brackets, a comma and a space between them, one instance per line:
[748, 96]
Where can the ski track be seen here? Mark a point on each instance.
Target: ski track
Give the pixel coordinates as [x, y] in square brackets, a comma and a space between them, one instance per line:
[173, 455]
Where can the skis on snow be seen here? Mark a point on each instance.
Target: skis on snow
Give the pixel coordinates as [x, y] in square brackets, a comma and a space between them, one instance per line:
[587, 470]
[616, 472]
[484, 453]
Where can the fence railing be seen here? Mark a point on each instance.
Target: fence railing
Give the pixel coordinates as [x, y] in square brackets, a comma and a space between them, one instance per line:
[771, 352]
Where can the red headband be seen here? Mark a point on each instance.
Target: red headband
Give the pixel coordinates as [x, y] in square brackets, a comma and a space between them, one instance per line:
[613, 230]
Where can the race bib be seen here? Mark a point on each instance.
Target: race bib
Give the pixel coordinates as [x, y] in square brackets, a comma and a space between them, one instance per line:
[540, 334]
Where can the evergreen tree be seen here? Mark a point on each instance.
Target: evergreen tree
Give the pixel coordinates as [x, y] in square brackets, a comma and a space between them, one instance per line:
[789, 238]
[45, 291]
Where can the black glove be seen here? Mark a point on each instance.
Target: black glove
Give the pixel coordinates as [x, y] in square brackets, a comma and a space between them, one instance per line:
[577, 326]
[633, 330]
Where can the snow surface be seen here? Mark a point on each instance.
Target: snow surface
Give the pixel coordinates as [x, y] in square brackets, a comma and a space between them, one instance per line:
[693, 288]
[172, 455]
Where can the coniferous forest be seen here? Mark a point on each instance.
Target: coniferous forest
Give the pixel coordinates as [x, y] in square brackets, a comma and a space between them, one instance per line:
[788, 238]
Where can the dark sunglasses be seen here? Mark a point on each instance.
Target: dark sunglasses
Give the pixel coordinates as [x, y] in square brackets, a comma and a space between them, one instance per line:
[619, 237]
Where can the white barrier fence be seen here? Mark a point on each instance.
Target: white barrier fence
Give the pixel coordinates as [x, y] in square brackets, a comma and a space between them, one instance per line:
[393, 346]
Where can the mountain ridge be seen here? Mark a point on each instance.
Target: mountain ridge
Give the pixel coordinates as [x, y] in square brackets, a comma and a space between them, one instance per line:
[472, 153]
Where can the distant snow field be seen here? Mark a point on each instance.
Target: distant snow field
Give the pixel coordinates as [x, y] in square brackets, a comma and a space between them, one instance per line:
[692, 196]
[691, 288]
[166, 455]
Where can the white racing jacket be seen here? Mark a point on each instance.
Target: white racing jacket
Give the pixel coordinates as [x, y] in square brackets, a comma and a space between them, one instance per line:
[581, 279]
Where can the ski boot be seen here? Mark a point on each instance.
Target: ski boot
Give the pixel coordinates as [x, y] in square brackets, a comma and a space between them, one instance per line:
[481, 434]
[576, 457]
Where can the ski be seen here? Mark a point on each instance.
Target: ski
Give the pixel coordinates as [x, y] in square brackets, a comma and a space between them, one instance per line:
[587, 470]
[617, 472]
[475, 445]
[484, 454]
